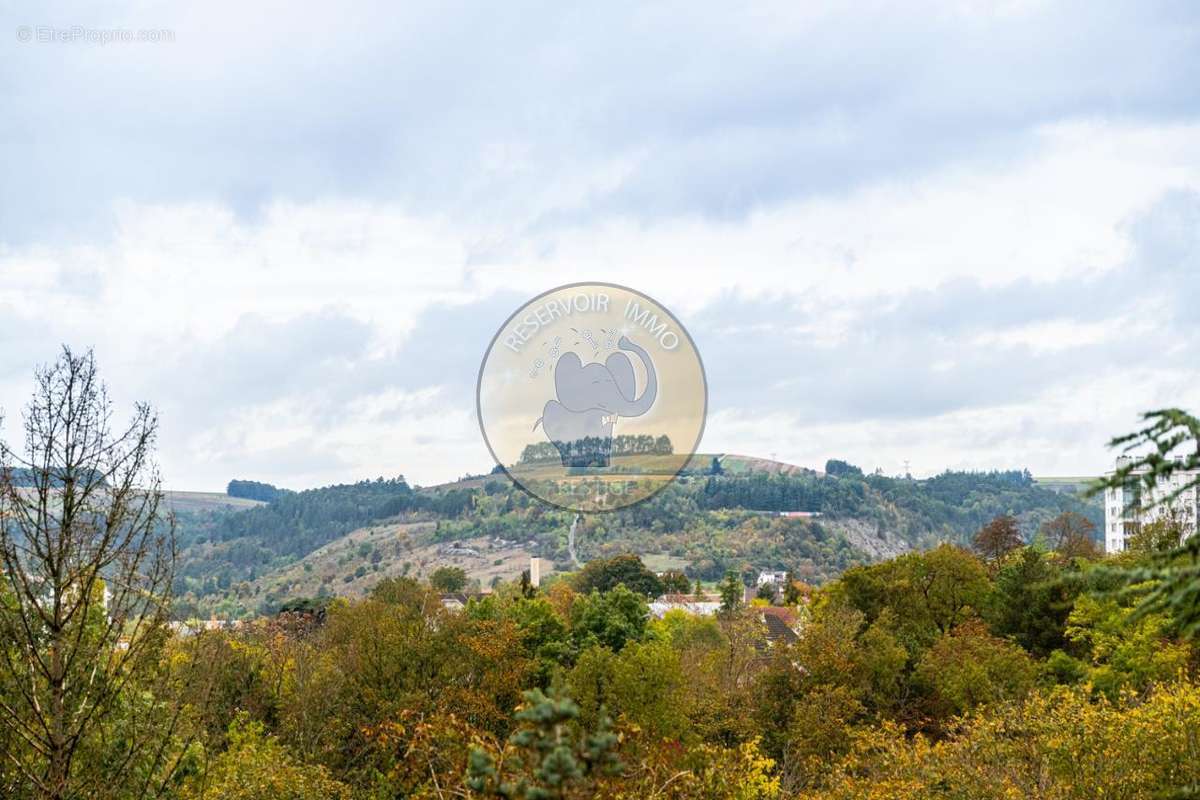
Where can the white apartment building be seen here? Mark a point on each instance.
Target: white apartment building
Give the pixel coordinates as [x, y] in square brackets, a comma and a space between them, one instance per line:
[1122, 519]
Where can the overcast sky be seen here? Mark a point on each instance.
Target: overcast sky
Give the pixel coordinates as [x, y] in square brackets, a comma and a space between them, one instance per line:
[961, 234]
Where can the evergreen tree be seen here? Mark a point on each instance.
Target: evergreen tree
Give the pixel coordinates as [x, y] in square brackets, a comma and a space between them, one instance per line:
[731, 592]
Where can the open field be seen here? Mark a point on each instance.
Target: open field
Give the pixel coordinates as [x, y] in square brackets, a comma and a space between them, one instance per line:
[206, 501]
[1070, 484]
[663, 562]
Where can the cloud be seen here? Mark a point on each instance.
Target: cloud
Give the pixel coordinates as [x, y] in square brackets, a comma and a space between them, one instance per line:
[944, 232]
[534, 114]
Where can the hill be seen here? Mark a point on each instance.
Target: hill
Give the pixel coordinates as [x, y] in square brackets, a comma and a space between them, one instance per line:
[743, 514]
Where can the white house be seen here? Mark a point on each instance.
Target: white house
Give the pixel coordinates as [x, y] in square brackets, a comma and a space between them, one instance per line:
[777, 578]
[1122, 517]
[700, 608]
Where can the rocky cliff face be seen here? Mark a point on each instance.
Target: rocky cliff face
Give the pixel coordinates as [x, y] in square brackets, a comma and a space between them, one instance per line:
[878, 543]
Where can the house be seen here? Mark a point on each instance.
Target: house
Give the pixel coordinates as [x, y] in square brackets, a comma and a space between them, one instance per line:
[781, 625]
[704, 607]
[185, 628]
[455, 601]
[777, 578]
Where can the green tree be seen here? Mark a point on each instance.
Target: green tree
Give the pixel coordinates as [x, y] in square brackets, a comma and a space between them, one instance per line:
[840, 469]
[548, 756]
[1031, 601]
[792, 590]
[731, 592]
[675, 582]
[406, 592]
[684, 631]
[643, 684]
[255, 766]
[1125, 649]
[609, 618]
[604, 574]
[1161, 535]
[969, 667]
[927, 594]
[448, 579]
[544, 634]
[813, 694]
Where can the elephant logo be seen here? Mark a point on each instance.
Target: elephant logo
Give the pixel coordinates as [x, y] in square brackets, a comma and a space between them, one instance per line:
[590, 398]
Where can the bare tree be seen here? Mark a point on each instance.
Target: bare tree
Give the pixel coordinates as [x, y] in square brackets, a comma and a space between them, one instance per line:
[88, 559]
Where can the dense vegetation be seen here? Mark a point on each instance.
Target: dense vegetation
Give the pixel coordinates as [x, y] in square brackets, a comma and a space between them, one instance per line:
[932, 675]
[1011, 670]
[254, 490]
[623, 445]
[710, 519]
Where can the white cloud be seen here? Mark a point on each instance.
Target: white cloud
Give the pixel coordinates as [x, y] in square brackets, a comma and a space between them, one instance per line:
[930, 233]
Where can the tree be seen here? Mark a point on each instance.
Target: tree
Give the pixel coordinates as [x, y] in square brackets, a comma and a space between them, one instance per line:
[88, 558]
[1071, 535]
[543, 631]
[1031, 601]
[998, 538]
[548, 756]
[257, 767]
[838, 469]
[926, 594]
[1056, 744]
[1126, 649]
[1161, 535]
[448, 579]
[254, 490]
[731, 592]
[969, 667]
[604, 574]
[609, 618]
[796, 591]
[644, 684]
[675, 582]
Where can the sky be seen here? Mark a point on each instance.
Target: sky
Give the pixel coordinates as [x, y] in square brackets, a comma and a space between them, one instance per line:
[961, 235]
